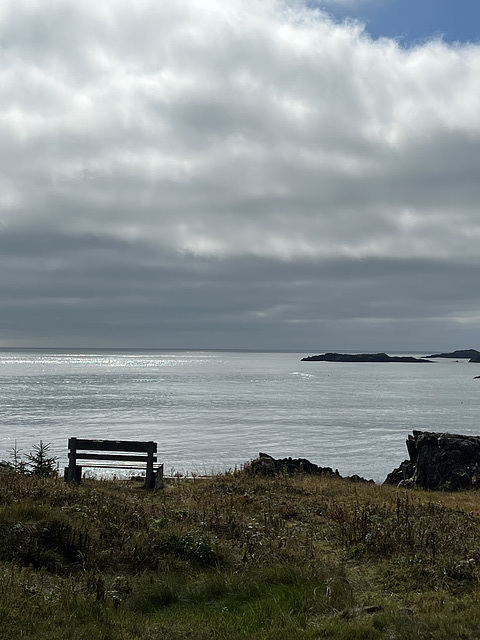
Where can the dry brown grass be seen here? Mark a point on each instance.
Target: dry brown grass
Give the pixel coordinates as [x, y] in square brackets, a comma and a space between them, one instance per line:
[237, 555]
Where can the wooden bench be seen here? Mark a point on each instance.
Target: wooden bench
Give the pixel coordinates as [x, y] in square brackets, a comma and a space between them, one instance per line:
[96, 452]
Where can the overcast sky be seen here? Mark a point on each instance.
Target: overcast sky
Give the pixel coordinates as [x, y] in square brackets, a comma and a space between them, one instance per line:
[243, 174]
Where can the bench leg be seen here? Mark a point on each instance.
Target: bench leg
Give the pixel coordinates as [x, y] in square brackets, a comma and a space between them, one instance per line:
[72, 460]
[159, 478]
[150, 478]
[77, 475]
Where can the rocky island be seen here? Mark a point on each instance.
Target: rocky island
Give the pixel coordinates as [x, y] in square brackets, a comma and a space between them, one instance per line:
[472, 354]
[362, 357]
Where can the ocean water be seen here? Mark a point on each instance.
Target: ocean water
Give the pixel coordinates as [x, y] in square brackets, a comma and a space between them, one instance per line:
[212, 411]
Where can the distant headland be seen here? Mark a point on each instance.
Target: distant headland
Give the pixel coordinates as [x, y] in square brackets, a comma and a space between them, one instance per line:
[362, 357]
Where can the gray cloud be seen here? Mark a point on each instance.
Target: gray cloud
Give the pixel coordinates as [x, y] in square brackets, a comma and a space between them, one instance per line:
[248, 175]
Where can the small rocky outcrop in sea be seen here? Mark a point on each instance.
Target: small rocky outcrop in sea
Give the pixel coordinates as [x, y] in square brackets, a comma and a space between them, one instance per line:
[361, 357]
[472, 354]
[268, 466]
[440, 462]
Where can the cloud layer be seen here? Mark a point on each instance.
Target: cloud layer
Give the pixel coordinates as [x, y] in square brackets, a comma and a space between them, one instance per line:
[232, 172]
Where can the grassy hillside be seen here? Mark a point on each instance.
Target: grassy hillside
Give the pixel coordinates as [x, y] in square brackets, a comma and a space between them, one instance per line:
[236, 556]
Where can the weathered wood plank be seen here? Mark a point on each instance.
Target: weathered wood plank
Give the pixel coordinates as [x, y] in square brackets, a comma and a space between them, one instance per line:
[96, 465]
[114, 445]
[113, 456]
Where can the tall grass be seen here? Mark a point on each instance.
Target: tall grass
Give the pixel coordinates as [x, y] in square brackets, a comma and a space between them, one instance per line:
[236, 556]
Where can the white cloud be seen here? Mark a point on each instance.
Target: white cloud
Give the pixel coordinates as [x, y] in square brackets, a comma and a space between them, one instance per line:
[224, 130]
[257, 127]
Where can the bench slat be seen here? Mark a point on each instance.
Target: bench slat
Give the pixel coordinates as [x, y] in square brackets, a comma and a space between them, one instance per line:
[113, 445]
[118, 467]
[113, 456]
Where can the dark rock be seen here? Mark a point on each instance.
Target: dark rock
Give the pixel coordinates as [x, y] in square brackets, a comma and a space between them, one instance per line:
[403, 472]
[472, 354]
[361, 357]
[440, 462]
[268, 466]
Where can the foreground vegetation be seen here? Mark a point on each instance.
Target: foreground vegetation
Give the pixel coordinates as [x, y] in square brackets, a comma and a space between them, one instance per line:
[236, 556]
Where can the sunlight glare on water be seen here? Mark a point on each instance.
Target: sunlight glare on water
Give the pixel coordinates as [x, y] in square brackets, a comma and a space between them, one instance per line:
[212, 411]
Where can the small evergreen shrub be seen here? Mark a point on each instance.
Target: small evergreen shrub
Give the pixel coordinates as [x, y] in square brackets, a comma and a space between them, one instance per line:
[40, 463]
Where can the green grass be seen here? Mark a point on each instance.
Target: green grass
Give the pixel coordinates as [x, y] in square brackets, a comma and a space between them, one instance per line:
[236, 556]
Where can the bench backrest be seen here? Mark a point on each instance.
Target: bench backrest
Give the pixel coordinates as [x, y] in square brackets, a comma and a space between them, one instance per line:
[81, 449]
[78, 444]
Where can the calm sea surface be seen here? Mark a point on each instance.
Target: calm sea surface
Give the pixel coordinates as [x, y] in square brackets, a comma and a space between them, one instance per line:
[210, 411]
